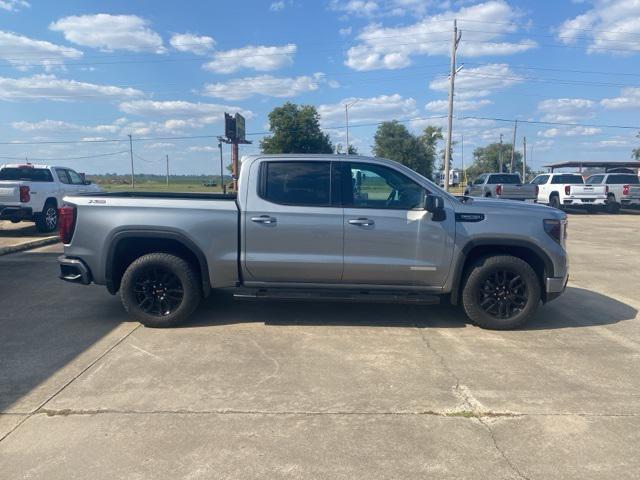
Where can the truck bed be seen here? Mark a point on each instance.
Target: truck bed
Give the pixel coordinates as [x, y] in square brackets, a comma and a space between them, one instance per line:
[169, 195]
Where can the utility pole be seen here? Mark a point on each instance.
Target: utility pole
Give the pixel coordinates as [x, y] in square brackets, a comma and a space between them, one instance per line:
[133, 179]
[222, 185]
[524, 159]
[513, 147]
[447, 152]
[500, 154]
[464, 173]
[347, 106]
[167, 170]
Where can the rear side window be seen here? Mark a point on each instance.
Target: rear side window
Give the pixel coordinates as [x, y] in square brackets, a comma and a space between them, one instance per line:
[595, 179]
[26, 174]
[622, 179]
[296, 183]
[508, 179]
[567, 178]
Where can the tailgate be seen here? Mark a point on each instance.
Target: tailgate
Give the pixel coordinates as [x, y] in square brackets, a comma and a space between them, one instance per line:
[634, 191]
[588, 191]
[9, 193]
[518, 192]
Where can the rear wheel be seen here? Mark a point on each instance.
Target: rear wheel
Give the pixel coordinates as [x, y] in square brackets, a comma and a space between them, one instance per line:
[612, 205]
[554, 201]
[501, 292]
[47, 221]
[160, 290]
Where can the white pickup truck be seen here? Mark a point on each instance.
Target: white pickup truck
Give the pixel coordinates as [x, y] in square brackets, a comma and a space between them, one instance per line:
[507, 186]
[622, 189]
[33, 193]
[569, 190]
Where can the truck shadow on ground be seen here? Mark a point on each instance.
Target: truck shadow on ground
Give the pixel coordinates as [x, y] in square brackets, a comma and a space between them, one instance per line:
[576, 308]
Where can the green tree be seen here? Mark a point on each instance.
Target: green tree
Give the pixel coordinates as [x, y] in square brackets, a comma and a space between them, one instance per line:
[295, 129]
[487, 159]
[393, 141]
[352, 150]
[635, 153]
[430, 138]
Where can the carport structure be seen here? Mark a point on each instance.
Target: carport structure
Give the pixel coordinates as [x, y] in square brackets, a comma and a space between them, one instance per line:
[608, 166]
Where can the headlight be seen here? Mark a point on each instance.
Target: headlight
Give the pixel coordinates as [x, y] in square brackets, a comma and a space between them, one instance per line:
[556, 229]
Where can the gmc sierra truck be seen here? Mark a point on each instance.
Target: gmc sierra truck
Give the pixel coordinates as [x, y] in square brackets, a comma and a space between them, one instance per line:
[507, 186]
[321, 227]
[622, 189]
[33, 193]
[561, 190]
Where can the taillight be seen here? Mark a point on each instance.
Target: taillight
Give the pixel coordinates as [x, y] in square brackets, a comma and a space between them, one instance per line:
[606, 189]
[25, 194]
[498, 189]
[625, 189]
[66, 223]
[567, 189]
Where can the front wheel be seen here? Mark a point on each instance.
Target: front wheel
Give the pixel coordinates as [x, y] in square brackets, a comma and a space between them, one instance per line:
[501, 292]
[160, 290]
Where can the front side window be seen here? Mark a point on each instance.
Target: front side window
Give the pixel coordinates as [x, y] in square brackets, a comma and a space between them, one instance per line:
[75, 178]
[540, 180]
[296, 183]
[376, 186]
[62, 176]
[480, 180]
[595, 179]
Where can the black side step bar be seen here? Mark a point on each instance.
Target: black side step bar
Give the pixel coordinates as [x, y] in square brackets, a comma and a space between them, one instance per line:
[338, 296]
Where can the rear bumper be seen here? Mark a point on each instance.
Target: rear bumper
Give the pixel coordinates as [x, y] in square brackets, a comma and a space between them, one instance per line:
[632, 202]
[74, 270]
[15, 213]
[555, 286]
[585, 201]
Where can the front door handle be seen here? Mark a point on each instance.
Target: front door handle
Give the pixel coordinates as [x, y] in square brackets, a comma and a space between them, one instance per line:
[265, 219]
[362, 222]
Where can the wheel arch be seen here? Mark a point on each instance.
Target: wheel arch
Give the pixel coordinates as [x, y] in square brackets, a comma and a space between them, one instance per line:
[475, 249]
[126, 246]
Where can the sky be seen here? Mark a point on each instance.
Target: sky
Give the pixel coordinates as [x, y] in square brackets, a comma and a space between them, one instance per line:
[78, 77]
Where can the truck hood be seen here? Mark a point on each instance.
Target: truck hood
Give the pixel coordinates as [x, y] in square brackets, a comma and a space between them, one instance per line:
[486, 205]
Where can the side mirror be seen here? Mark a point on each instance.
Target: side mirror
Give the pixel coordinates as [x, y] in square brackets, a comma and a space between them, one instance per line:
[435, 204]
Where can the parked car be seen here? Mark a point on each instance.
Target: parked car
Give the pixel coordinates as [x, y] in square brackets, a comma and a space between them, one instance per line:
[33, 193]
[507, 186]
[317, 226]
[622, 189]
[568, 189]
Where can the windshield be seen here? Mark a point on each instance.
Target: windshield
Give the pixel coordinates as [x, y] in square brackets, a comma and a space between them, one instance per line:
[26, 173]
[568, 178]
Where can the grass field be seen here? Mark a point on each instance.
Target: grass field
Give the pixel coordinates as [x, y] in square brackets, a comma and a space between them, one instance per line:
[162, 187]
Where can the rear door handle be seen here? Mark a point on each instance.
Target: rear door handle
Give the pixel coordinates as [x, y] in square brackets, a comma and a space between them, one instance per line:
[362, 222]
[265, 219]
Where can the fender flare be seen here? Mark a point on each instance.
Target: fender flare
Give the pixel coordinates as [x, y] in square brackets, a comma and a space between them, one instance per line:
[179, 237]
[456, 283]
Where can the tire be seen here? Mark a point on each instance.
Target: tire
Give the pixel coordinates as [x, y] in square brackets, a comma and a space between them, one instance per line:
[612, 205]
[47, 220]
[160, 290]
[477, 293]
[554, 201]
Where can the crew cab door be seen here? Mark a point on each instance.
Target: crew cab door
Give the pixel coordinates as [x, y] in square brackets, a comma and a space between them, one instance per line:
[542, 181]
[293, 223]
[477, 187]
[389, 237]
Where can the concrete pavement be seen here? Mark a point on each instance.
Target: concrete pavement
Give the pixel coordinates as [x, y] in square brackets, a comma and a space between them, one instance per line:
[299, 390]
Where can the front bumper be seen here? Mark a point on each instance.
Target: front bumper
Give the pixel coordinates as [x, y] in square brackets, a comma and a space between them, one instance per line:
[555, 286]
[15, 213]
[74, 270]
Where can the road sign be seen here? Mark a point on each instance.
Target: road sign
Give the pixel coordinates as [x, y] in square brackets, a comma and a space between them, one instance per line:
[240, 129]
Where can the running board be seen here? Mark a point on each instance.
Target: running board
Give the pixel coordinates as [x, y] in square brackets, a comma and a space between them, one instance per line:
[338, 296]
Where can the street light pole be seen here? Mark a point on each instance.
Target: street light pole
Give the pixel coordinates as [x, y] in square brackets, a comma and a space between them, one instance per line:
[347, 106]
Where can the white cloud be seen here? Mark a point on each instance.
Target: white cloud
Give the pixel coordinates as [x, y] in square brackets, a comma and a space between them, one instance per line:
[629, 98]
[461, 106]
[203, 148]
[58, 89]
[394, 47]
[110, 32]
[260, 58]
[58, 126]
[374, 109]
[479, 82]
[360, 8]
[566, 110]
[577, 131]
[608, 25]
[267, 85]
[277, 6]
[14, 5]
[22, 51]
[179, 108]
[188, 42]
[345, 32]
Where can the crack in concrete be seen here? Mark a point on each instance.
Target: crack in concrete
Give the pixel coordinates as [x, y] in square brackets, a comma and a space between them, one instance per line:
[502, 453]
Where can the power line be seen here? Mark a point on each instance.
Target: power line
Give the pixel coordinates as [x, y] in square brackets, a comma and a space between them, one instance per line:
[99, 155]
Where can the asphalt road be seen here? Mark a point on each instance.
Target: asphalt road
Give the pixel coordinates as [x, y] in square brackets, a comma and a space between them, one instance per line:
[312, 390]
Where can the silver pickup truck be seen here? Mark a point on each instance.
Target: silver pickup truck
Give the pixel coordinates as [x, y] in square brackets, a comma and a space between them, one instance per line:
[322, 227]
[507, 186]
